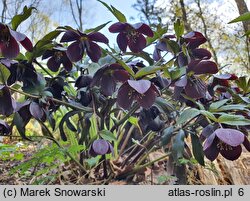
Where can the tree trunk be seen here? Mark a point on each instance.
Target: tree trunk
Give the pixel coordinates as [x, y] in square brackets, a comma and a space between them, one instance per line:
[206, 31]
[242, 7]
[184, 17]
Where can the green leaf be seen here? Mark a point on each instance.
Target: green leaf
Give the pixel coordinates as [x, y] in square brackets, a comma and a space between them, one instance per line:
[197, 149]
[4, 74]
[247, 33]
[107, 135]
[231, 107]
[244, 17]
[167, 134]
[209, 115]
[244, 84]
[178, 145]
[177, 73]
[98, 28]
[217, 104]
[164, 105]
[148, 70]
[133, 120]
[51, 35]
[187, 115]
[178, 28]
[233, 120]
[157, 34]
[18, 19]
[120, 16]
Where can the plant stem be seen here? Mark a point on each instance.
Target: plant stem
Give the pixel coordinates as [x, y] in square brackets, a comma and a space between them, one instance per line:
[82, 108]
[139, 168]
[47, 72]
[51, 137]
[133, 109]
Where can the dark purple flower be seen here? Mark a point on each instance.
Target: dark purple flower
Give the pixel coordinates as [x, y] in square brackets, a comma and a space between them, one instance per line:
[227, 142]
[84, 97]
[167, 43]
[57, 56]
[7, 104]
[150, 120]
[37, 111]
[100, 147]
[107, 76]
[83, 81]
[131, 35]
[143, 91]
[4, 128]
[194, 86]
[8, 42]
[136, 65]
[194, 39]
[83, 42]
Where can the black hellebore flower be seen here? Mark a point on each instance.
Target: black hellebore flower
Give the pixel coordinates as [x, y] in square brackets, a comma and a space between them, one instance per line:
[83, 81]
[4, 128]
[143, 91]
[107, 76]
[194, 86]
[7, 104]
[227, 142]
[150, 119]
[83, 42]
[100, 147]
[131, 35]
[57, 56]
[8, 42]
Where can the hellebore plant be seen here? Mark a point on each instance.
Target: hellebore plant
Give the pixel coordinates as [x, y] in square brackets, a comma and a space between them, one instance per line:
[8, 42]
[131, 35]
[227, 142]
[83, 42]
[115, 109]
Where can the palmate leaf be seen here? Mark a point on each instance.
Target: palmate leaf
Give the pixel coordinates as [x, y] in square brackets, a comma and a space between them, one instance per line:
[233, 120]
[187, 115]
[18, 19]
[178, 145]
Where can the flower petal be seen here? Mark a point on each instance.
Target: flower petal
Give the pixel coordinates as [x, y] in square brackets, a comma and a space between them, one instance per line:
[10, 50]
[107, 85]
[141, 86]
[231, 154]
[117, 27]
[67, 64]
[143, 28]
[137, 44]
[210, 148]
[194, 39]
[75, 51]
[6, 103]
[246, 143]
[182, 82]
[231, 137]
[157, 55]
[94, 51]
[124, 98]
[147, 99]
[83, 81]
[4, 128]
[201, 53]
[23, 39]
[36, 111]
[121, 75]
[196, 89]
[70, 35]
[122, 41]
[100, 146]
[53, 64]
[98, 37]
[48, 53]
[202, 67]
